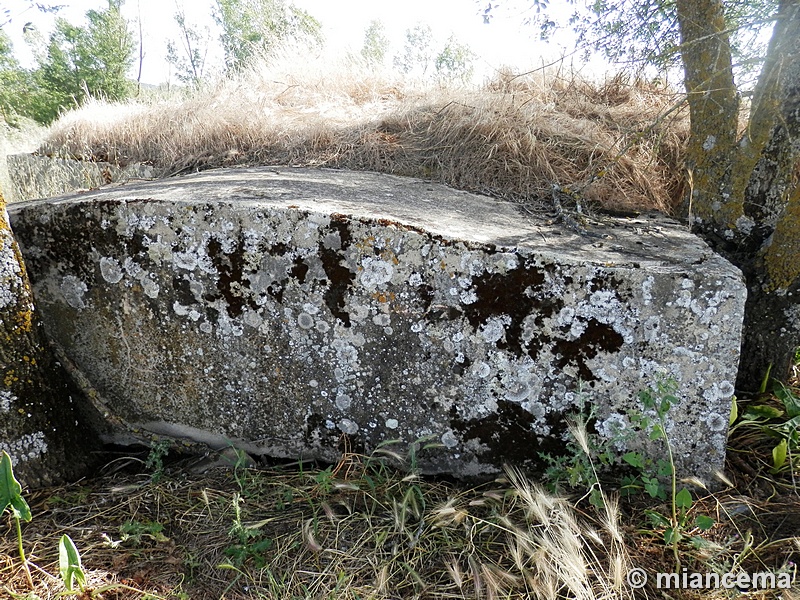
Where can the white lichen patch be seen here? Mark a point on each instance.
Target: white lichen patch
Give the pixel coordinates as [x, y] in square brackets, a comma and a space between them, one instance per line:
[73, 290]
[745, 224]
[9, 270]
[494, 328]
[186, 260]
[382, 319]
[347, 426]
[110, 269]
[343, 401]
[449, 440]
[7, 399]
[715, 421]
[375, 273]
[131, 267]
[27, 447]
[647, 290]
[517, 390]
[149, 286]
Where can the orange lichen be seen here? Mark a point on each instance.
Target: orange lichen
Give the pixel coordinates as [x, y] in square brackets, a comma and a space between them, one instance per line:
[24, 321]
[10, 378]
[383, 297]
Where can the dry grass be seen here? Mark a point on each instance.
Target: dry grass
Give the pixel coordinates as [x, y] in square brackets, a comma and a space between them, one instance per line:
[24, 137]
[617, 144]
[361, 529]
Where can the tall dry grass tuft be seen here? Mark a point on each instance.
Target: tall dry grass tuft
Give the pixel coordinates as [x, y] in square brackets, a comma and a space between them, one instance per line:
[561, 556]
[618, 143]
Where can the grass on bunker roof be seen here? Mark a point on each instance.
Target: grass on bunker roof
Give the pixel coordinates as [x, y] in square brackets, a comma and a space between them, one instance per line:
[364, 529]
[616, 144]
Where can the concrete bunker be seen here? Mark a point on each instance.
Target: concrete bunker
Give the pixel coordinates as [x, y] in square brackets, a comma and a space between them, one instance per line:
[280, 309]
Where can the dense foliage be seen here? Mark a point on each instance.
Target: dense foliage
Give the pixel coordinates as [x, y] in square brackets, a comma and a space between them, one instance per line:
[258, 27]
[79, 63]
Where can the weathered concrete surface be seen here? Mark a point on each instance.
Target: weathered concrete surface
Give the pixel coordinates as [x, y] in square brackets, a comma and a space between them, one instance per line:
[34, 176]
[41, 427]
[283, 308]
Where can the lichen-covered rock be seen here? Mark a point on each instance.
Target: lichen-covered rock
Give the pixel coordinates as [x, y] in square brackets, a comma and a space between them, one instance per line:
[41, 425]
[283, 309]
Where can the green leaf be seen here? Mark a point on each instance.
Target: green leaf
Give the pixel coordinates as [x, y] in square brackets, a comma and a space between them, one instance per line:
[683, 499]
[779, 454]
[672, 536]
[664, 468]
[656, 518]
[704, 522]
[734, 411]
[69, 564]
[11, 490]
[596, 498]
[763, 387]
[652, 487]
[763, 410]
[790, 402]
[646, 399]
[791, 426]
[634, 459]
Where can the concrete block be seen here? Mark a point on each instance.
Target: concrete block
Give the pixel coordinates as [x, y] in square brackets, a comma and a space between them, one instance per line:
[282, 309]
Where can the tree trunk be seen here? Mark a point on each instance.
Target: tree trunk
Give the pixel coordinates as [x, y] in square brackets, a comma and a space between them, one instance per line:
[772, 312]
[41, 426]
[772, 201]
[744, 196]
[713, 113]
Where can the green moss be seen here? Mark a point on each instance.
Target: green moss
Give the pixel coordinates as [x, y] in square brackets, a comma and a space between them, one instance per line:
[782, 257]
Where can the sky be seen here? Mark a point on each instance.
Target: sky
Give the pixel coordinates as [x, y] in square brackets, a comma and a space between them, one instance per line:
[506, 41]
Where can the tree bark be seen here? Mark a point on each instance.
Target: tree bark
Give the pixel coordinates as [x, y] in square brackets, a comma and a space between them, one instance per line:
[772, 311]
[758, 140]
[772, 202]
[744, 196]
[713, 113]
[41, 423]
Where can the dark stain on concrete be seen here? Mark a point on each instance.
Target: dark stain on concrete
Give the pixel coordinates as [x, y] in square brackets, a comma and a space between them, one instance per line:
[507, 435]
[230, 269]
[340, 278]
[426, 294]
[508, 294]
[279, 249]
[447, 313]
[596, 337]
[299, 270]
[276, 291]
[315, 428]
[183, 291]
